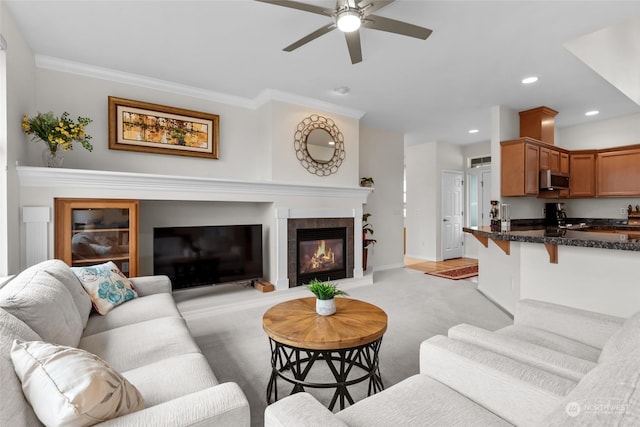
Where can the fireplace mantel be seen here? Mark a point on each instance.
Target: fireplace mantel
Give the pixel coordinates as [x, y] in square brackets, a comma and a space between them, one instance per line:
[141, 183]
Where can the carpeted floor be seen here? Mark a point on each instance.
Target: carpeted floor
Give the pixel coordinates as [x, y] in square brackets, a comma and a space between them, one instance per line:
[226, 321]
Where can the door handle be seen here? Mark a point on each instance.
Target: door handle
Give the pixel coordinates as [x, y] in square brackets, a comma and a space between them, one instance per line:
[445, 220]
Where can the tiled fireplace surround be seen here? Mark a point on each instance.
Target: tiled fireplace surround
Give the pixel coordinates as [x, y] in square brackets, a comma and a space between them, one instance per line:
[292, 205]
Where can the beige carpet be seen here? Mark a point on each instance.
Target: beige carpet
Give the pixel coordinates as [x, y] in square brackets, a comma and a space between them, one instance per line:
[226, 321]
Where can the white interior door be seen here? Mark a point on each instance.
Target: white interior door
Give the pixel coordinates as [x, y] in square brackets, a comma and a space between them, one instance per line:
[452, 214]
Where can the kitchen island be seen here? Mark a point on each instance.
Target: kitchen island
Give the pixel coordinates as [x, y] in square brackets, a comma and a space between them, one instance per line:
[594, 268]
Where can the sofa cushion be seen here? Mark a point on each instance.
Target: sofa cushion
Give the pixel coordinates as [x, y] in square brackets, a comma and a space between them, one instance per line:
[132, 346]
[106, 285]
[63, 273]
[553, 361]
[171, 378]
[609, 395]
[67, 386]
[418, 401]
[626, 339]
[45, 304]
[552, 341]
[134, 311]
[15, 409]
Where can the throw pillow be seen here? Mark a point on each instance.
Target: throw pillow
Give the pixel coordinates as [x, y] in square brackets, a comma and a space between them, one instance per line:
[106, 285]
[67, 386]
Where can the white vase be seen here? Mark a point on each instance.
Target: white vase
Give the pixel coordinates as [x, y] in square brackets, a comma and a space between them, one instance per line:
[326, 307]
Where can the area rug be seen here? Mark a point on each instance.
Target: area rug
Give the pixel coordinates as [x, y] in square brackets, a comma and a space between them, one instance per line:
[457, 273]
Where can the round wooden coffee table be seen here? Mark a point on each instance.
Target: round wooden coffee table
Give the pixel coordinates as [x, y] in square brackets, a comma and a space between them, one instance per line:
[350, 338]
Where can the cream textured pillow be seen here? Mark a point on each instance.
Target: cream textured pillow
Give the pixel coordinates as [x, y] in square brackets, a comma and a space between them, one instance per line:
[70, 387]
[106, 285]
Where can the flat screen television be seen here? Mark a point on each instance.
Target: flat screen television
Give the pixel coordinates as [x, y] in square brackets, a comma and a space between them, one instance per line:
[208, 255]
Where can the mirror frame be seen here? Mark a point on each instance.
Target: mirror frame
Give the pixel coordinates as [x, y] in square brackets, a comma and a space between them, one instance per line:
[304, 128]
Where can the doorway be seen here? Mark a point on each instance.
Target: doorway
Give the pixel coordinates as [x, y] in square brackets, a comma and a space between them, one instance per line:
[452, 214]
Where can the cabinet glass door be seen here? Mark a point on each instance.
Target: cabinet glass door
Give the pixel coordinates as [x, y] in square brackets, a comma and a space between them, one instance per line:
[100, 235]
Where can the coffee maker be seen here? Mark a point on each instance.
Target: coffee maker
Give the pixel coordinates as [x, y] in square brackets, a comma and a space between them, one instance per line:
[555, 215]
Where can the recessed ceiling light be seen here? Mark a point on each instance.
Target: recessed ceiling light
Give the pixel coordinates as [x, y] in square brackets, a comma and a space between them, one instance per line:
[592, 113]
[529, 80]
[474, 131]
[342, 90]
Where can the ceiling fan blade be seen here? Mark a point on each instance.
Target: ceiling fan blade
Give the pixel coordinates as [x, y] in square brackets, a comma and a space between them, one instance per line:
[370, 6]
[353, 43]
[306, 39]
[392, 26]
[301, 6]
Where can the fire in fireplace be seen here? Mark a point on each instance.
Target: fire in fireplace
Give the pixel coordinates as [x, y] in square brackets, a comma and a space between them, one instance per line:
[321, 254]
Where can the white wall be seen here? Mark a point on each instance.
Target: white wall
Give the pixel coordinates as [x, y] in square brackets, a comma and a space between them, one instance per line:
[382, 158]
[425, 164]
[422, 193]
[20, 99]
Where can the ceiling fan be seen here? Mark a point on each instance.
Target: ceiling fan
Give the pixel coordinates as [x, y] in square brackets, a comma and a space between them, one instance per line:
[349, 16]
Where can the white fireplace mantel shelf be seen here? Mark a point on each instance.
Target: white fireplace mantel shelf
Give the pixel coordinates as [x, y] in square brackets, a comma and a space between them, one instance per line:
[142, 183]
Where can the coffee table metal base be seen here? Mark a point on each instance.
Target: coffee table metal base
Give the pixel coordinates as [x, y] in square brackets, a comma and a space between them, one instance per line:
[293, 364]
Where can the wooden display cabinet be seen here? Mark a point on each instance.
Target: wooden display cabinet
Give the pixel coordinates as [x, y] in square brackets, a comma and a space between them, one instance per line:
[94, 231]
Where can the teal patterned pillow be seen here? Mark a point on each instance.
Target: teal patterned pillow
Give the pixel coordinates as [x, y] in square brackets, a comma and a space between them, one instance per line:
[106, 285]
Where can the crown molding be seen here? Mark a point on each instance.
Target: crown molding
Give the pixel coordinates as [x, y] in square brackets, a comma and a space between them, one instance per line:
[267, 95]
[140, 184]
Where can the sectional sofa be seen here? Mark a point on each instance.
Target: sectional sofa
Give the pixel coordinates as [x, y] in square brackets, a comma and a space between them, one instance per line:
[57, 354]
[555, 366]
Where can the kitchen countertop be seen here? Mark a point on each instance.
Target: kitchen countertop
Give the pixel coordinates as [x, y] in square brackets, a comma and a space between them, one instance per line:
[622, 237]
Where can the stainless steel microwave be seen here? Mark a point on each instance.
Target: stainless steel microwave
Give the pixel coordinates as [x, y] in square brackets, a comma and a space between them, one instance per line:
[553, 180]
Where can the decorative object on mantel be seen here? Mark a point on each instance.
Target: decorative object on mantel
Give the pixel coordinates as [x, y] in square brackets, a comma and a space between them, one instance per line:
[152, 128]
[58, 133]
[325, 293]
[319, 145]
[366, 229]
[366, 181]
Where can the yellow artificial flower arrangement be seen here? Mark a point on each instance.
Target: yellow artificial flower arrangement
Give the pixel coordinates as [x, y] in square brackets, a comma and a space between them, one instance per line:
[58, 131]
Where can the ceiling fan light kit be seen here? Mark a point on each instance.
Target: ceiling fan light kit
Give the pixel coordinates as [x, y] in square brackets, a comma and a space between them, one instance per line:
[349, 16]
[348, 21]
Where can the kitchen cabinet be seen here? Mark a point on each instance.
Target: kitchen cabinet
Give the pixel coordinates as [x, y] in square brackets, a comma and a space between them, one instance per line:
[520, 160]
[582, 174]
[564, 162]
[545, 159]
[618, 172]
[94, 231]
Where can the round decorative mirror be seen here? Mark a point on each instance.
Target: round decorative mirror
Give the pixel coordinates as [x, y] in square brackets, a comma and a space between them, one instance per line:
[319, 145]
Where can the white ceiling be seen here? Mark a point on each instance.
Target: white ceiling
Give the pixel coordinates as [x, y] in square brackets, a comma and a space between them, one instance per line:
[433, 90]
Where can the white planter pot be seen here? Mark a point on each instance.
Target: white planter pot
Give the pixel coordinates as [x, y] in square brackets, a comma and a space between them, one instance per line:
[326, 307]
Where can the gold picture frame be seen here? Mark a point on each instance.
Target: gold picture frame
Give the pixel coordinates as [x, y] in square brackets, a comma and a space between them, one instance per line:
[152, 128]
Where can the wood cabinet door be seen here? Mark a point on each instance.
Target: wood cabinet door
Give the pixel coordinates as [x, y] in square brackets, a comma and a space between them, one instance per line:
[582, 182]
[618, 173]
[554, 164]
[532, 169]
[545, 159]
[519, 169]
[564, 162]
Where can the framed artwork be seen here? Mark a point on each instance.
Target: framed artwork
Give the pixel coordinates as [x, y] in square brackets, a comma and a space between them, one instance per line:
[152, 128]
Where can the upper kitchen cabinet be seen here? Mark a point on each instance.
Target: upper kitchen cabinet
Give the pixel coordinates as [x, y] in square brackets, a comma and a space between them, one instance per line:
[582, 175]
[520, 160]
[618, 172]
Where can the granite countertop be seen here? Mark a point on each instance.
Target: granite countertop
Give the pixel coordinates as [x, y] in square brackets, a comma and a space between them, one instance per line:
[593, 235]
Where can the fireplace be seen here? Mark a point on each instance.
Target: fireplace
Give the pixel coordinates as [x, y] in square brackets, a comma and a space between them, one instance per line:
[321, 254]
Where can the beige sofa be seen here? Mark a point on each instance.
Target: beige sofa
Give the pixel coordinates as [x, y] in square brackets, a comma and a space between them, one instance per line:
[145, 339]
[555, 366]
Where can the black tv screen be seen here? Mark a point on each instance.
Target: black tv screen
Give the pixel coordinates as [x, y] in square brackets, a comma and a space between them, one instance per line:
[208, 255]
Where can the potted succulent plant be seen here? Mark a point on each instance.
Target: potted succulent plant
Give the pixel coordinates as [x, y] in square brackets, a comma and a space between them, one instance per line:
[366, 229]
[325, 293]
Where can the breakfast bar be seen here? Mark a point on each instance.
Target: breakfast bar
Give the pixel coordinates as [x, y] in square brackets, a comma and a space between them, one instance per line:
[559, 264]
